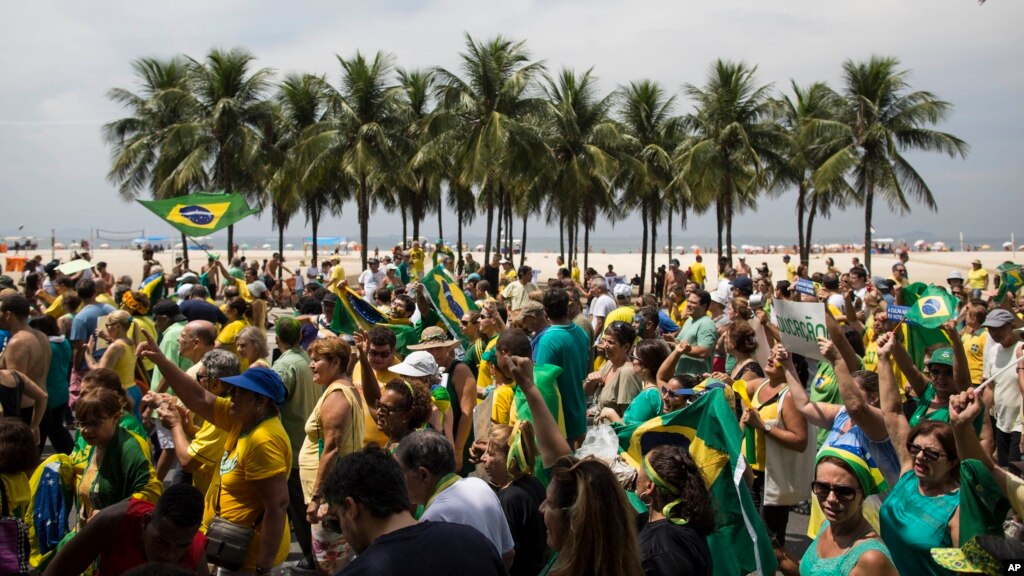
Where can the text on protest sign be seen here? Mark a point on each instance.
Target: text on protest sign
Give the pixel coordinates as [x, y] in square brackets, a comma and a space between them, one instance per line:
[896, 313]
[800, 326]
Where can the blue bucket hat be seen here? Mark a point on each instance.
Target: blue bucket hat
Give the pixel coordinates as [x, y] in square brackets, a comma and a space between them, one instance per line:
[259, 380]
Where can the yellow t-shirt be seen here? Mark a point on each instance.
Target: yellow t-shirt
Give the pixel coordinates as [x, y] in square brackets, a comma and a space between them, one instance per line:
[791, 272]
[229, 333]
[576, 274]
[140, 325]
[263, 452]
[501, 409]
[125, 365]
[698, 272]
[206, 449]
[337, 275]
[371, 433]
[106, 299]
[974, 347]
[508, 277]
[416, 257]
[484, 378]
[977, 279]
[56, 308]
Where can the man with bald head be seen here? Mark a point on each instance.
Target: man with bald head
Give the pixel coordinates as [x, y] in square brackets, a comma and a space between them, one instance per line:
[196, 339]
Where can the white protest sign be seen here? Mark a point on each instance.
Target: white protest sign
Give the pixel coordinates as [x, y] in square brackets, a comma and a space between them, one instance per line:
[800, 325]
[762, 342]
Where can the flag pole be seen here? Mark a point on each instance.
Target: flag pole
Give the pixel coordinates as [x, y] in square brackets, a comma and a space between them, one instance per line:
[997, 374]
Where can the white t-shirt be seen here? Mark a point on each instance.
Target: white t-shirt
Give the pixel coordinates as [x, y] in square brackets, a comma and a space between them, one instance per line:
[602, 306]
[470, 501]
[1006, 403]
[371, 281]
[838, 301]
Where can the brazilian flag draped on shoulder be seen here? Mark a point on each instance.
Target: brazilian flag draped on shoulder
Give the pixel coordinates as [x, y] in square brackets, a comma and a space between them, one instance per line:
[929, 308]
[352, 313]
[709, 430]
[1010, 279]
[200, 214]
[449, 300]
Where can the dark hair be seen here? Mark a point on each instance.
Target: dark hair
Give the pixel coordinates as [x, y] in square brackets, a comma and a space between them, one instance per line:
[98, 403]
[16, 304]
[46, 324]
[514, 341]
[830, 281]
[372, 478]
[855, 340]
[705, 297]
[556, 304]
[649, 314]
[676, 466]
[858, 271]
[381, 336]
[427, 449]
[417, 400]
[332, 348]
[308, 305]
[784, 287]
[199, 291]
[19, 452]
[383, 295]
[86, 288]
[651, 354]
[942, 432]
[240, 307]
[742, 336]
[867, 380]
[66, 282]
[624, 333]
[109, 380]
[405, 301]
[71, 302]
[182, 504]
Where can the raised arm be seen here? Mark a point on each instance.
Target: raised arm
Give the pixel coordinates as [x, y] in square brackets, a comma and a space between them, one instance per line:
[861, 411]
[961, 372]
[550, 440]
[192, 394]
[371, 388]
[892, 407]
[914, 377]
[821, 414]
[839, 340]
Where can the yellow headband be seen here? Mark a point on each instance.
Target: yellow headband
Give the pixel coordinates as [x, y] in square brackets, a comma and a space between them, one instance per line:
[663, 484]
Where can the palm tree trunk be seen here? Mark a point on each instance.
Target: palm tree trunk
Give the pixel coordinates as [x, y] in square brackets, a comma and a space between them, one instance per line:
[405, 219]
[869, 201]
[490, 221]
[501, 220]
[561, 237]
[458, 226]
[586, 244]
[522, 247]
[364, 220]
[654, 250]
[280, 242]
[668, 224]
[810, 227]
[643, 246]
[508, 225]
[728, 231]
[719, 217]
[231, 242]
[184, 248]
[801, 197]
[314, 218]
[440, 224]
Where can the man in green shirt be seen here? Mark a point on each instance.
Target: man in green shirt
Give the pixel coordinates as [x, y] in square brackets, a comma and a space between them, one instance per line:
[698, 335]
[301, 394]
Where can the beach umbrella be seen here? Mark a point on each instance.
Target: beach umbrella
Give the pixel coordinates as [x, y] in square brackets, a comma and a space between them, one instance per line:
[919, 243]
[694, 247]
[104, 245]
[245, 246]
[1007, 244]
[289, 246]
[58, 245]
[177, 245]
[479, 248]
[986, 247]
[939, 245]
[74, 245]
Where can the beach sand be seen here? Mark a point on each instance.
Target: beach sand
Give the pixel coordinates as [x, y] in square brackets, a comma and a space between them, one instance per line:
[928, 267]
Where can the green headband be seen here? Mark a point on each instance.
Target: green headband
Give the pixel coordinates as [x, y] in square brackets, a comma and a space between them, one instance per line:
[666, 486]
[869, 476]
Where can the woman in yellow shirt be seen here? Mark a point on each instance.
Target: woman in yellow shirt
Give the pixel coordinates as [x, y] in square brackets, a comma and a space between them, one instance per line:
[119, 356]
[236, 312]
[251, 486]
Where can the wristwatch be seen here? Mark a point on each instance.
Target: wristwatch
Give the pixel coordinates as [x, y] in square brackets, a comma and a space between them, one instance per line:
[767, 427]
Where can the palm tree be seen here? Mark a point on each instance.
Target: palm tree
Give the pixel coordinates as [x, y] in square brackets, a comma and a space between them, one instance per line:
[809, 120]
[358, 136]
[139, 158]
[883, 119]
[224, 138]
[732, 138]
[485, 111]
[584, 143]
[424, 163]
[652, 133]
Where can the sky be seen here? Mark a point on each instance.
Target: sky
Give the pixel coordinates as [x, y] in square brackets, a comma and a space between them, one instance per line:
[59, 60]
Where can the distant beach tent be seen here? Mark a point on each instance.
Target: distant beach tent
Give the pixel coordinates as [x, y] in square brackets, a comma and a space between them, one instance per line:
[326, 240]
[58, 245]
[289, 246]
[266, 246]
[986, 247]
[919, 243]
[1007, 244]
[104, 245]
[479, 248]
[150, 240]
[939, 246]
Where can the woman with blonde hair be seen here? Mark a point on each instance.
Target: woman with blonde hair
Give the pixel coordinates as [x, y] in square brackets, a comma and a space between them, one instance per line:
[509, 461]
[119, 355]
[334, 429]
[251, 344]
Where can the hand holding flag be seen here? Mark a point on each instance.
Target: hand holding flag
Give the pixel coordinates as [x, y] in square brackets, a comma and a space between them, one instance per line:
[934, 307]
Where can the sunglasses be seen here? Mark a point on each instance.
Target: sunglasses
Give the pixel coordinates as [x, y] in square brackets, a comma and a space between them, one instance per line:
[379, 354]
[929, 454]
[936, 372]
[483, 317]
[385, 410]
[843, 493]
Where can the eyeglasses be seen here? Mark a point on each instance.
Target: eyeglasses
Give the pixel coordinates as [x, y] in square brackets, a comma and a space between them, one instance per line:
[483, 317]
[843, 493]
[379, 353]
[929, 454]
[465, 323]
[385, 410]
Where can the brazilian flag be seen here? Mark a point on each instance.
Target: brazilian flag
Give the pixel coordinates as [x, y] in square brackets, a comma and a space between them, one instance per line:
[709, 430]
[200, 214]
[1010, 280]
[448, 299]
[352, 313]
[153, 287]
[919, 337]
[933, 307]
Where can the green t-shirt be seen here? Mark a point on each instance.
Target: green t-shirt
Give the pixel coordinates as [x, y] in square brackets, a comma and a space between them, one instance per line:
[566, 345]
[700, 332]
[645, 406]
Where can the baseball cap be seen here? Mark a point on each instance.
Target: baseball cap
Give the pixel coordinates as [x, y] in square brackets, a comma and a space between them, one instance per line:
[743, 258]
[998, 318]
[372, 261]
[976, 261]
[720, 298]
[419, 363]
[943, 356]
[472, 277]
[391, 267]
[786, 257]
[184, 290]
[189, 277]
[531, 307]
[330, 298]
[504, 261]
[170, 309]
[622, 290]
[744, 284]
[6, 281]
[882, 283]
[259, 380]
[674, 261]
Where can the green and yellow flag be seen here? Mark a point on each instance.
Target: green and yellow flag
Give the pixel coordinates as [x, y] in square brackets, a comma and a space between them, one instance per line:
[200, 214]
[709, 430]
[933, 307]
[450, 302]
[919, 337]
[1010, 280]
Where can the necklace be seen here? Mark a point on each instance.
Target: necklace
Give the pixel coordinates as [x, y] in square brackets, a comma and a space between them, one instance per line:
[853, 540]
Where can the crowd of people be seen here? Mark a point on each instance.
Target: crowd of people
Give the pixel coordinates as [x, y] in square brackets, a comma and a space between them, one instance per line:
[197, 420]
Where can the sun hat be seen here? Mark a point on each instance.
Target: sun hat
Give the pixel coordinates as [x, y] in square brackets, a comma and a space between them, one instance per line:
[330, 298]
[170, 309]
[259, 380]
[622, 291]
[976, 261]
[955, 275]
[998, 318]
[531, 307]
[433, 337]
[420, 363]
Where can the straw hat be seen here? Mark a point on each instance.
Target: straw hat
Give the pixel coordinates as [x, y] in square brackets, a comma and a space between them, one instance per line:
[433, 337]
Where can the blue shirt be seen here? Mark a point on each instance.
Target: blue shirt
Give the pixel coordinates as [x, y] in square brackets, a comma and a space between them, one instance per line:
[84, 324]
[4, 337]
